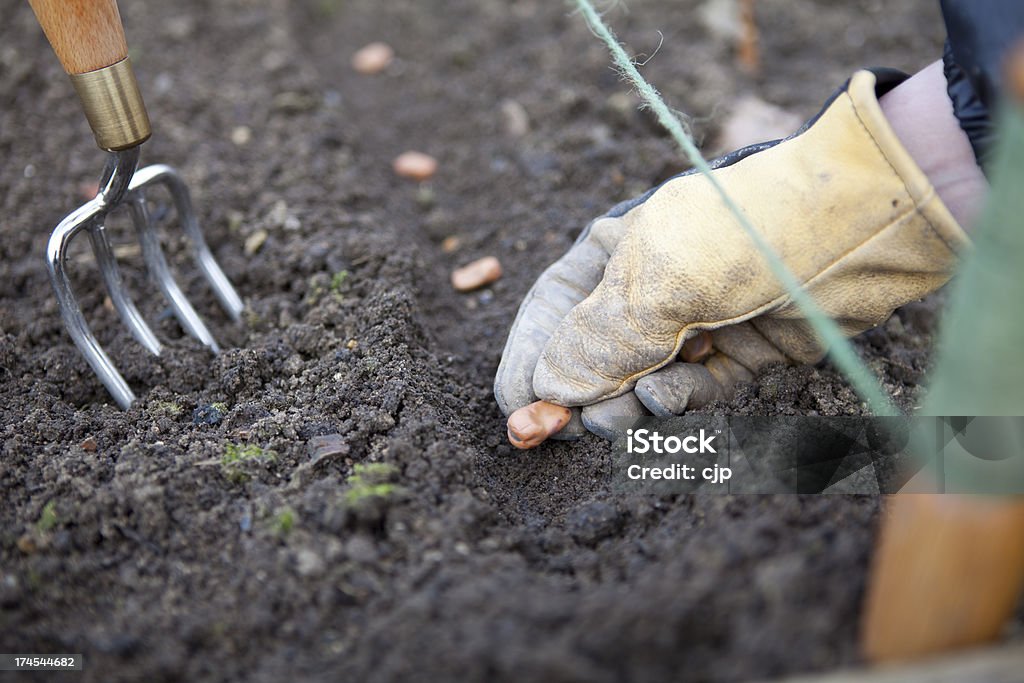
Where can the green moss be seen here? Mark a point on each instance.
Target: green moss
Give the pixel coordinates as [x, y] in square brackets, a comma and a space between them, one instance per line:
[284, 521]
[359, 494]
[238, 457]
[252, 318]
[338, 280]
[48, 518]
[166, 408]
[220, 407]
[238, 453]
[371, 480]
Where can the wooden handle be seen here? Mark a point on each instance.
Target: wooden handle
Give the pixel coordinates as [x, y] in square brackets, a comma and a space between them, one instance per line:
[86, 34]
[947, 574]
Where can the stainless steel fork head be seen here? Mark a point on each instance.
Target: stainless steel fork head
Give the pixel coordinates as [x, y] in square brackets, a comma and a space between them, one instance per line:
[122, 184]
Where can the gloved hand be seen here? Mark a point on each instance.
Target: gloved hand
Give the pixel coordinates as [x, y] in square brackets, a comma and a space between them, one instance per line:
[841, 202]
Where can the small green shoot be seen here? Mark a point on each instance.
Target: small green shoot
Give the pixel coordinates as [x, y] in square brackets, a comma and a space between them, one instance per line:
[371, 480]
[338, 280]
[284, 521]
[47, 518]
[237, 457]
[166, 408]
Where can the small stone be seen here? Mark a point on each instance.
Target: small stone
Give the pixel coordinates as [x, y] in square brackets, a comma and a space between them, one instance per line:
[451, 244]
[278, 214]
[415, 165]
[308, 563]
[235, 220]
[327, 446]
[241, 135]
[753, 120]
[517, 121]
[373, 58]
[207, 415]
[127, 251]
[89, 445]
[476, 274]
[27, 545]
[721, 18]
[352, 344]
[254, 241]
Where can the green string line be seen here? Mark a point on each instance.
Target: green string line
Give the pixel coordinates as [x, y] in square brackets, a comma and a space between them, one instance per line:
[829, 334]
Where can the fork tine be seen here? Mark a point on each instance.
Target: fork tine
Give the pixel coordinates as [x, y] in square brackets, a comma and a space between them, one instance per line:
[161, 273]
[115, 288]
[114, 184]
[74, 321]
[169, 178]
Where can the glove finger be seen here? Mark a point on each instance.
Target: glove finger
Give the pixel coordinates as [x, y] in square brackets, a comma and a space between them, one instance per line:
[748, 347]
[563, 285]
[610, 419]
[727, 372]
[697, 349]
[604, 345]
[574, 430]
[794, 335]
[678, 387]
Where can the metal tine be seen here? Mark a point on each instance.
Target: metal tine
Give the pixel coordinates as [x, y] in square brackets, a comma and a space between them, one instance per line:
[107, 263]
[74, 321]
[161, 273]
[169, 178]
[114, 183]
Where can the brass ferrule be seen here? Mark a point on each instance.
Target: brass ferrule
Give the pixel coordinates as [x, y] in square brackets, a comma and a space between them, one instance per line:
[113, 105]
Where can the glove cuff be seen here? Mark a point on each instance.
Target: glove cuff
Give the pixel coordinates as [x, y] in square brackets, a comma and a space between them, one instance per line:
[861, 89]
[970, 111]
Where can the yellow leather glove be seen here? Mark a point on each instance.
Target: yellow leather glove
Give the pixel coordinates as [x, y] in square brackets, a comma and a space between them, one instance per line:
[841, 202]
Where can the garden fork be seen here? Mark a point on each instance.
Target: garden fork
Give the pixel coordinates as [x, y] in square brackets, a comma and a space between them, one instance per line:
[88, 38]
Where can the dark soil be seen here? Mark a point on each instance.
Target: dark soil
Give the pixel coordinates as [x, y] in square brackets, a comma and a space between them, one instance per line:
[125, 535]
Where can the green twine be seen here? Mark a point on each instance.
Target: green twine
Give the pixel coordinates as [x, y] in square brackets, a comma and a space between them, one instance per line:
[829, 334]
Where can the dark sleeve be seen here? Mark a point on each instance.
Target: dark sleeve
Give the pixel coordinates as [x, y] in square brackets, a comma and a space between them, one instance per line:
[980, 34]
